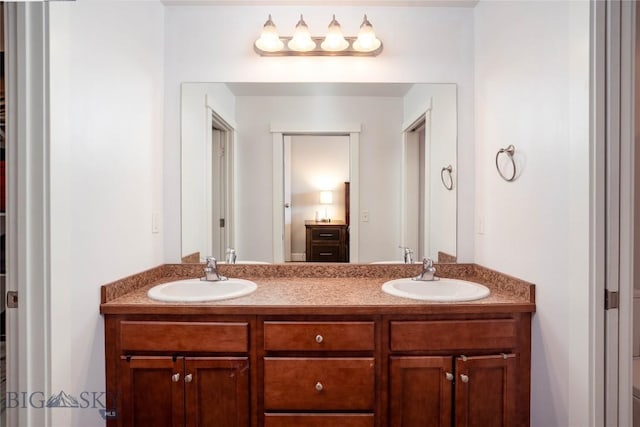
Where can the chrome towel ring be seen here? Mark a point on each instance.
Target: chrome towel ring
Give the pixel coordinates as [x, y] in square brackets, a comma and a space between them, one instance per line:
[447, 169]
[509, 151]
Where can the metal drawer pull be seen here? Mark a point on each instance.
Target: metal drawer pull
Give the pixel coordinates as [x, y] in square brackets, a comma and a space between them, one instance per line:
[464, 378]
[326, 234]
[319, 338]
[175, 378]
[449, 376]
[326, 253]
[319, 387]
[188, 378]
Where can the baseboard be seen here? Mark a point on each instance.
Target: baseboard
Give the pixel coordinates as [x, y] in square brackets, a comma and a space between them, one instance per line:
[299, 257]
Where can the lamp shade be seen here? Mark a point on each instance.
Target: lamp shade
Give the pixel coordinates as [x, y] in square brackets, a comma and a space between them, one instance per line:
[301, 40]
[367, 40]
[334, 41]
[326, 197]
[269, 40]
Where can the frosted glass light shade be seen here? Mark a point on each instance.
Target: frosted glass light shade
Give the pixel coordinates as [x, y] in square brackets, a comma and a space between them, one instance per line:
[326, 197]
[301, 40]
[366, 41]
[334, 41]
[269, 40]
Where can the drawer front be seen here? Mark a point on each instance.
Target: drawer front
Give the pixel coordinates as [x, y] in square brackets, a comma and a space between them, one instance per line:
[453, 335]
[184, 336]
[319, 336]
[319, 384]
[327, 253]
[325, 233]
[318, 420]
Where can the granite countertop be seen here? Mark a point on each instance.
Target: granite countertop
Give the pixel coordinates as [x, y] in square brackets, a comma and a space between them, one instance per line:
[330, 288]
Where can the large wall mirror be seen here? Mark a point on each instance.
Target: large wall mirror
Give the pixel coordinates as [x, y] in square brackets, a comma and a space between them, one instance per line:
[258, 158]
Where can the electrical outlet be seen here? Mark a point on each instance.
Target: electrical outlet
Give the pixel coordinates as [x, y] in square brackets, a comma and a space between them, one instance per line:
[364, 216]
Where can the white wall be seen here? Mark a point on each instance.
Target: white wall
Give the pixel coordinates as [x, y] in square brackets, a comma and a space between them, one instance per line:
[380, 139]
[106, 175]
[443, 151]
[214, 44]
[531, 81]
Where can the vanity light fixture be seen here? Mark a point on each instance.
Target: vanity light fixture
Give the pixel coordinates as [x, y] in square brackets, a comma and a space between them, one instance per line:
[303, 44]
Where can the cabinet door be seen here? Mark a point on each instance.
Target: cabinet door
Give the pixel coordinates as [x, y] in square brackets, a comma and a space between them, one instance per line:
[421, 391]
[485, 391]
[152, 391]
[217, 391]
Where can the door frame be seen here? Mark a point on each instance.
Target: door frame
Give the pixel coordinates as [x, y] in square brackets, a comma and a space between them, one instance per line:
[28, 214]
[229, 137]
[612, 207]
[227, 141]
[408, 204]
[278, 131]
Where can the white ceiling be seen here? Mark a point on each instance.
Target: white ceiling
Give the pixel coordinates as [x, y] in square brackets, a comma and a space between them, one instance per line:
[410, 3]
[316, 89]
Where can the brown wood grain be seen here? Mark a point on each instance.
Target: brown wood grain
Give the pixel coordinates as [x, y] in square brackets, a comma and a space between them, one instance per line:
[319, 336]
[184, 336]
[319, 420]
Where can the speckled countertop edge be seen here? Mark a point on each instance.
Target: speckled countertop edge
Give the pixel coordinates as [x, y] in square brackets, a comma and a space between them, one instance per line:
[315, 285]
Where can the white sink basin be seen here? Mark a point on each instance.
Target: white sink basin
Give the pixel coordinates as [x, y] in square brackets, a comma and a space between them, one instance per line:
[196, 290]
[442, 290]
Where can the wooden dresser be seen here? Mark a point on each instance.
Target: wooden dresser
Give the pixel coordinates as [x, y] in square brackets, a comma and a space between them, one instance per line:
[326, 241]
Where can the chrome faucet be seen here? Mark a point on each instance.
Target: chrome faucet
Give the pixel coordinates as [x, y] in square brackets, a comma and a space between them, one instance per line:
[211, 271]
[408, 254]
[428, 271]
[231, 256]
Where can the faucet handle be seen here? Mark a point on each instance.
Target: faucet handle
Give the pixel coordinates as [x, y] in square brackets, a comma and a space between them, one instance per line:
[427, 263]
[211, 262]
[408, 254]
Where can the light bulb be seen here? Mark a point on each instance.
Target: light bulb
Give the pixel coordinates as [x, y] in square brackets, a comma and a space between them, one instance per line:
[301, 40]
[334, 41]
[269, 40]
[366, 41]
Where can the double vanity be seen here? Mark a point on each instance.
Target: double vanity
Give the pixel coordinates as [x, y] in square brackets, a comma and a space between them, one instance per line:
[318, 345]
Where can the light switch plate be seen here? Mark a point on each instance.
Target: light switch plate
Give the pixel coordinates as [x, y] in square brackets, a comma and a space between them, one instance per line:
[155, 222]
[364, 216]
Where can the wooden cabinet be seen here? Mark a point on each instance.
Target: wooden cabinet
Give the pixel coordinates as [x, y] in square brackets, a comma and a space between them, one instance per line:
[479, 390]
[319, 370]
[184, 391]
[326, 241]
[485, 391]
[196, 382]
[305, 370]
[420, 391]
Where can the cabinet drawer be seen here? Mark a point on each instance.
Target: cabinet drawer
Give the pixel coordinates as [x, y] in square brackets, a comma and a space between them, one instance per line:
[325, 233]
[184, 336]
[326, 253]
[453, 335]
[328, 384]
[318, 420]
[319, 336]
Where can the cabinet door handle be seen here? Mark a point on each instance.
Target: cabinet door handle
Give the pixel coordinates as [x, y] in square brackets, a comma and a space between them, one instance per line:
[464, 378]
[319, 387]
[188, 378]
[175, 377]
[326, 234]
[319, 338]
[326, 253]
[449, 376]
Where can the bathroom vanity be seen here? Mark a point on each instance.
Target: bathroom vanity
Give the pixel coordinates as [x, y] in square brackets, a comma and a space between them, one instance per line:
[320, 348]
